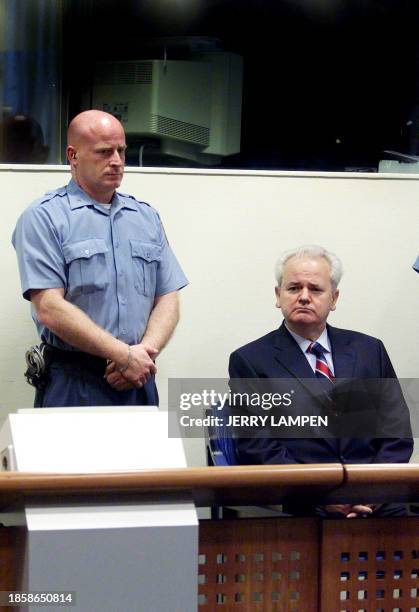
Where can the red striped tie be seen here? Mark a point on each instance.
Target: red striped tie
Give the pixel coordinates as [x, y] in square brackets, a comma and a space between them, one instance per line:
[322, 369]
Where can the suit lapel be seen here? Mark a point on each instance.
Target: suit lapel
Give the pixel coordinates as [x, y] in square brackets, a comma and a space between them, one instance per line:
[290, 356]
[344, 361]
[343, 355]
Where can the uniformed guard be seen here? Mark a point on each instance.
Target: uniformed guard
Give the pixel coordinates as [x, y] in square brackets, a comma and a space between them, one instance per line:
[101, 277]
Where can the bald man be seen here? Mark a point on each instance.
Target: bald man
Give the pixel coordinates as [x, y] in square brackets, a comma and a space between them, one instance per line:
[100, 275]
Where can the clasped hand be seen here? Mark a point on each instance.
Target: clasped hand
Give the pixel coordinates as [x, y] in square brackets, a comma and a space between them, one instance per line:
[352, 510]
[141, 367]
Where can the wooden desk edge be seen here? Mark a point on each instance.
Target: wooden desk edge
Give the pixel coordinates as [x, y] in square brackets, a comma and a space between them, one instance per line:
[209, 484]
[172, 479]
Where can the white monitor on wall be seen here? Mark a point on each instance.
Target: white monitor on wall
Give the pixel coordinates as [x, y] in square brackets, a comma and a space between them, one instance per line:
[192, 107]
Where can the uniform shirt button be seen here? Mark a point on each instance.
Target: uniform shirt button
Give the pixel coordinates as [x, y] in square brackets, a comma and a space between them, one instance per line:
[87, 251]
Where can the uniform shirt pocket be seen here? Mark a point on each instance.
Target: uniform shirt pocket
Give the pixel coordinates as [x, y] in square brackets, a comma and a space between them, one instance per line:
[86, 266]
[145, 259]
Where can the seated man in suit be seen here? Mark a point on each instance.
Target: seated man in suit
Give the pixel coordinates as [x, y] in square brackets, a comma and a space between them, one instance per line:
[306, 348]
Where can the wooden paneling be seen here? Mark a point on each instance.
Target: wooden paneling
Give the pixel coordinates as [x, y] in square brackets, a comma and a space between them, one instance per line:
[12, 553]
[309, 565]
[370, 565]
[258, 564]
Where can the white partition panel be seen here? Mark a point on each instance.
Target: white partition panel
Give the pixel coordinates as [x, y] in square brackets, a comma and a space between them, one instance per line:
[227, 229]
[124, 555]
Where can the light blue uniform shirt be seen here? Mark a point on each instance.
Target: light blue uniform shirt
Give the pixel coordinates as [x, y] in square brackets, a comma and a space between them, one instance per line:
[112, 263]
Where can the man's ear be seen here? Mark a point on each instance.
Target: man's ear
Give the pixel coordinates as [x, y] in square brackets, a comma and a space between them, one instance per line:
[71, 154]
[335, 299]
[278, 297]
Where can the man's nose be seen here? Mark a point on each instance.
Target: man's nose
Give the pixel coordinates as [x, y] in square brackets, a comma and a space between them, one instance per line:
[304, 295]
[116, 159]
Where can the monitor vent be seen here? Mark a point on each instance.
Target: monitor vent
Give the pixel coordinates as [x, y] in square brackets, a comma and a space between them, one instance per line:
[124, 73]
[180, 129]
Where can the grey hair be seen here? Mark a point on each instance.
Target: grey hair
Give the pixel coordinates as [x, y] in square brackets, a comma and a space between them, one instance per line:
[311, 250]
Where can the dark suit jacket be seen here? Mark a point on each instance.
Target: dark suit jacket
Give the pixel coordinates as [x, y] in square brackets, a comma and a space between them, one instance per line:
[355, 356]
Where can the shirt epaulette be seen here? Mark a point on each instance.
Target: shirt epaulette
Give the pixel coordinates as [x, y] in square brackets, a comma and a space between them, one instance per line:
[131, 197]
[49, 195]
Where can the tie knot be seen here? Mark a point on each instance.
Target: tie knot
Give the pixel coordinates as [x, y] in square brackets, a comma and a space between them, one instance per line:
[316, 349]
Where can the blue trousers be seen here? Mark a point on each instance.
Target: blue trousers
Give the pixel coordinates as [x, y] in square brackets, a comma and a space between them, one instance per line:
[74, 385]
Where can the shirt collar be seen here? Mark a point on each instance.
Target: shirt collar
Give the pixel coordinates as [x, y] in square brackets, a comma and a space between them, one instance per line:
[303, 343]
[79, 198]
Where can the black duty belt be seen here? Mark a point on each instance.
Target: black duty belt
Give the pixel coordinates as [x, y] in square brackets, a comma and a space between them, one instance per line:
[76, 358]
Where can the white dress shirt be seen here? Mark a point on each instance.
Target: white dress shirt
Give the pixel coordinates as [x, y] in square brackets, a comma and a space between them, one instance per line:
[323, 339]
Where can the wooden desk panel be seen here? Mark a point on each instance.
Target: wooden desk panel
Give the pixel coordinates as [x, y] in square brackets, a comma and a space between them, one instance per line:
[370, 565]
[309, 565]
[276, 564]
[12, 554]
[258, 564]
